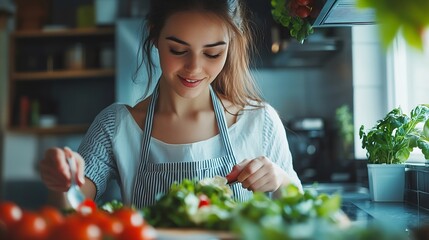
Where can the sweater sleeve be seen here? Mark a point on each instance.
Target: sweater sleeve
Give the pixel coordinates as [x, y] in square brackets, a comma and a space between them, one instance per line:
[276, 146]
[96, 150]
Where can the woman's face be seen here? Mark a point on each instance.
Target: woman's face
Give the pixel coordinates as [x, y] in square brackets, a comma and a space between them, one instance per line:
[192, 49]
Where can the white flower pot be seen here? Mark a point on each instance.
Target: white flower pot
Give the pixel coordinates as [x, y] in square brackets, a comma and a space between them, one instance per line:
[386, 182]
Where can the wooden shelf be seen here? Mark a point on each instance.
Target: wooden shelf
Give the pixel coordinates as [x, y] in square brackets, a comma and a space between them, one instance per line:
[63, 74]
[64, 33]
[65, 129]
[55, 90]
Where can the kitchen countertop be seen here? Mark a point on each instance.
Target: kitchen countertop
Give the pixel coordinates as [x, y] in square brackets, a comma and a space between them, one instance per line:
[399, 215]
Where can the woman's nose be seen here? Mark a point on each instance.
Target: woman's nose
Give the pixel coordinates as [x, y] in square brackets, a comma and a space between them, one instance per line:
[193, 63]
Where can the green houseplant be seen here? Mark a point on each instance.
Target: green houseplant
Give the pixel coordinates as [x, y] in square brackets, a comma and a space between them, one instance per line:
[389, 144]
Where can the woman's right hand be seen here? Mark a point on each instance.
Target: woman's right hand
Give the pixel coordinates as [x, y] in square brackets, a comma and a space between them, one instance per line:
[55, 171]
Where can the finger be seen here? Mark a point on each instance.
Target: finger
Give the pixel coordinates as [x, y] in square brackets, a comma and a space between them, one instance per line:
[251, 168]
[264, 184]
[80, 165]
[70, 157]
[236, 170]
[256, 179]
[80, 169]
[55, 158]
[54, 170]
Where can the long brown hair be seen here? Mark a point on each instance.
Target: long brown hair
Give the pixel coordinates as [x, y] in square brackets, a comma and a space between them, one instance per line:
[235, 82]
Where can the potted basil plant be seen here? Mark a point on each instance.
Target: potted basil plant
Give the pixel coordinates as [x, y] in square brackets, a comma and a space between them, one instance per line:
[389, 144]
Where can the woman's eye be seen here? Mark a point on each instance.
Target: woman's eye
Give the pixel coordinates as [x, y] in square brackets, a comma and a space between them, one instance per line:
[177, 52]
[212, 56]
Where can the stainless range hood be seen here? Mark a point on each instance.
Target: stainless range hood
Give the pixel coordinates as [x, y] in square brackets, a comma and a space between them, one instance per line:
[309, 54]
[316, 52]
[343, 13]
[323, 44]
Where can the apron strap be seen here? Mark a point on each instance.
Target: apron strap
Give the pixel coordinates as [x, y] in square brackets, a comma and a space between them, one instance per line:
[221, 123]
[147, 133]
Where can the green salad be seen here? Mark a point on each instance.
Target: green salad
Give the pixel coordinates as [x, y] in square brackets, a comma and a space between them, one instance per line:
[205, 204]
[208, 204]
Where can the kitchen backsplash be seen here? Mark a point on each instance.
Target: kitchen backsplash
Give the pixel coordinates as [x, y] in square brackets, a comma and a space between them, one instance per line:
[417, 185]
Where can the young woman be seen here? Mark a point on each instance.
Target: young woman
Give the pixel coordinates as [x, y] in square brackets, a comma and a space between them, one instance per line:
[204, 118]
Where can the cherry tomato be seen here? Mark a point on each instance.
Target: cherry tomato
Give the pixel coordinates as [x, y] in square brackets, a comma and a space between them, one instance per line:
[110, 226]
[129, 217]
[302, 12]
[52, 216]
[10, 213]
[32, 226]
[87, 206]
[204, 201]
[75, 227]
[143, 232]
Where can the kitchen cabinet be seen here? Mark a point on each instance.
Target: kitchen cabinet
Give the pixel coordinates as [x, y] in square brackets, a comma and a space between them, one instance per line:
[59, 79]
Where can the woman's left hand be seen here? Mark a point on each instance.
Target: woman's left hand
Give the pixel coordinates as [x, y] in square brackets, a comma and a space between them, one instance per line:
[259, 174]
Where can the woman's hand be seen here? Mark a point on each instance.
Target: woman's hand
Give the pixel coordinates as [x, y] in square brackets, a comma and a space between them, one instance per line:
[55, 171]
[259, 174]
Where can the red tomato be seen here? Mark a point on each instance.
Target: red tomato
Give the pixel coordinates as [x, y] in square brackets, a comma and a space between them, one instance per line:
[143, 232]
[31, 226]
[87, 206]
[204, 201]
[129, 217]
[110, 226]
[10, 213]
[75, 227]
[302, 12]
[52, 216]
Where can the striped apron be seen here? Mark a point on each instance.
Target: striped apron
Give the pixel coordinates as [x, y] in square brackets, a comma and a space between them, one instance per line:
[155, 179]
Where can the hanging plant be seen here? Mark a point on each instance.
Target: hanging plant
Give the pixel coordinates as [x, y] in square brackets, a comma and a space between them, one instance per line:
[296, 15]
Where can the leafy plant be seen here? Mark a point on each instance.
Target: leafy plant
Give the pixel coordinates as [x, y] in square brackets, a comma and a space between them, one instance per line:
[344, 121]
[296, 15]
[393, 138]
[408, 17]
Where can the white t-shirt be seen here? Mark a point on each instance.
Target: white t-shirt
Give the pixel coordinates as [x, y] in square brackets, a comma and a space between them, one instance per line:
[112, 146]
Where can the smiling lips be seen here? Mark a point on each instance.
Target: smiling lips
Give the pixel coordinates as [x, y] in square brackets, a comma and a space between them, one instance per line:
[190, 82]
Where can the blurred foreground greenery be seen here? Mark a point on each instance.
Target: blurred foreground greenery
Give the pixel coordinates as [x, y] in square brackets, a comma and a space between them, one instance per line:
[410, 18]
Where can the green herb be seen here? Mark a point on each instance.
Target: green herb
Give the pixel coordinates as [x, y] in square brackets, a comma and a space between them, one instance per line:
[393, 138]
[111, 206]
[299, 27]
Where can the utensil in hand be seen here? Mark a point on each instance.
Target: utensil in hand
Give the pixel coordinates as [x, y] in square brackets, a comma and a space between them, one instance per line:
[74, 194]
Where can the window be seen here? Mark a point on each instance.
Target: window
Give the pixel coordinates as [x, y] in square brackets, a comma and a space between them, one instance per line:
[407, 78]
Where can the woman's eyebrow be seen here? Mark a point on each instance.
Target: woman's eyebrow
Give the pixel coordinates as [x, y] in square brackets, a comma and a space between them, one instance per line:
[174, 39]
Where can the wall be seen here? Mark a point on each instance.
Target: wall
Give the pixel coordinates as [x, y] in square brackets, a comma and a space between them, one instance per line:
[289, 91]
[369, 81]
[311, 92]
